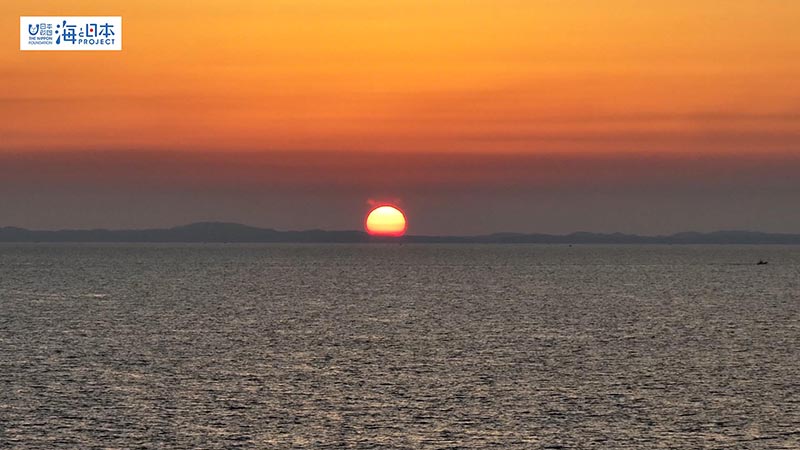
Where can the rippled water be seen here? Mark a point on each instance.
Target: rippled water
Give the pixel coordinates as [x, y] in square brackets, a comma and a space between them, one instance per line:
[399, 346]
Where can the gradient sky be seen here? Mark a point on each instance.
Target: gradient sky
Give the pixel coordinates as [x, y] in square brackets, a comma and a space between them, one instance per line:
[475, 116]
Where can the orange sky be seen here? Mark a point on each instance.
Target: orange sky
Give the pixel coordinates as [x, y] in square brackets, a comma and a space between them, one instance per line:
[412, 75]
[474, 115]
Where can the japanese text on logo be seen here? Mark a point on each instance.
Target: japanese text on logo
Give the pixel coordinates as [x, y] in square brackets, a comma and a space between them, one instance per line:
[70, 33]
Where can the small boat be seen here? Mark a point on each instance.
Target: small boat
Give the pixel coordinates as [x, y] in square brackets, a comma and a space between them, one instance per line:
[761, 262]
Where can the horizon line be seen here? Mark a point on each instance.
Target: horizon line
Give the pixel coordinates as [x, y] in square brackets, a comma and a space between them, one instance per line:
[305, 230]
[232, 232]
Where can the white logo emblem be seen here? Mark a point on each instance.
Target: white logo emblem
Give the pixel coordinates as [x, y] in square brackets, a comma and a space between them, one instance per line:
[70, 33]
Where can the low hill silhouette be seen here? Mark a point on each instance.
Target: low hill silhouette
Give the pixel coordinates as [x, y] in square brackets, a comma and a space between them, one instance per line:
[223, 232]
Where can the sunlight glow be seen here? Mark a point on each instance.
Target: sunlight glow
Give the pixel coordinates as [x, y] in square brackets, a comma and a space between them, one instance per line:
[386, 220]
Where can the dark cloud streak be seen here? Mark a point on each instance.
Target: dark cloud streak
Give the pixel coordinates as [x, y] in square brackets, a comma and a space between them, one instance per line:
[444, 193]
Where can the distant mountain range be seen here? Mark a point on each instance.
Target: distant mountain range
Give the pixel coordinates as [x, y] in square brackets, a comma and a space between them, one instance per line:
[234, 232]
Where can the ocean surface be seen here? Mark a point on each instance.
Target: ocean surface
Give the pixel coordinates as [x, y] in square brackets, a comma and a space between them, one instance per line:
[399, 346]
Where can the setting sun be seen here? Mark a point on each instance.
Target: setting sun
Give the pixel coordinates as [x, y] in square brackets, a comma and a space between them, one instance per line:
[386, 221]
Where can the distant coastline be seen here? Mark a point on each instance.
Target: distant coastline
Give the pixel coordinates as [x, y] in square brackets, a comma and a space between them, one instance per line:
[221, 232]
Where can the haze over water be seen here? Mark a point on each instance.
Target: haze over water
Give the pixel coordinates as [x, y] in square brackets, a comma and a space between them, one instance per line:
[399, 346]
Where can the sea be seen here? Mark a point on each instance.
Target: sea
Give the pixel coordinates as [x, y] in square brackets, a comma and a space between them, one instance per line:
[395, 346]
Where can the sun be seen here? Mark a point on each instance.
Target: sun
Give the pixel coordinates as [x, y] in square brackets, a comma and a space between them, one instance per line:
[386, 220]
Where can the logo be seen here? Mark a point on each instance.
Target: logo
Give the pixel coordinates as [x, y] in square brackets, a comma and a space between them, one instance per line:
[70, 33]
